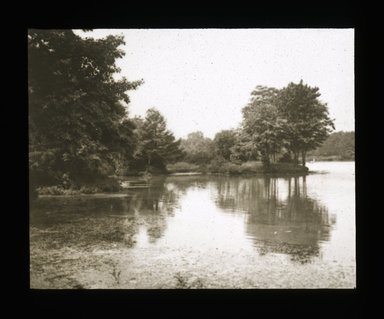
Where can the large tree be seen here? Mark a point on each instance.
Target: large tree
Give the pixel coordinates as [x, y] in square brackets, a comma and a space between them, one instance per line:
[223, 143]
[262, 124]
[305, 117]
[198, 149]
[244, 149]
[77, 109]
[157, 145]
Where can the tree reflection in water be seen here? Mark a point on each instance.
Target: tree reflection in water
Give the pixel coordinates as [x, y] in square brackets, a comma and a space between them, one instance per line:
[83, 220]
[154, 205]
[280, 216]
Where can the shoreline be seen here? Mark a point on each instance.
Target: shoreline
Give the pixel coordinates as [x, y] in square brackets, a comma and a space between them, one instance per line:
[275, 170]
[45, 193]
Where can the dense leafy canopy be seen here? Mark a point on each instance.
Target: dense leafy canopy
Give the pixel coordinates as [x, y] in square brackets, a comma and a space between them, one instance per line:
[291, 119]
[197, 148]
[157, 145]
[244, 149]
[262, 123]
[307, 124]
[78, 124]
[224, 141]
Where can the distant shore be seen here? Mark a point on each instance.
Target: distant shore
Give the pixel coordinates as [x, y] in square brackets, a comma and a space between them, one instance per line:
[331, 158]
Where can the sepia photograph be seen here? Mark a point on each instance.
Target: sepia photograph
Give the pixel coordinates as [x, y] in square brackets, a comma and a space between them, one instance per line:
[203, 158]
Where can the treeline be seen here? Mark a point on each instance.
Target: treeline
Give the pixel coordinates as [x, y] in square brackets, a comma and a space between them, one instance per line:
[279, 126]
[80, 132]
[79, 129]
[338, 146]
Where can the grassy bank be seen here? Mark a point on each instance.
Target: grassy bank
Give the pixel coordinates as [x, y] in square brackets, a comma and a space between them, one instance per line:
[106, 185]
[229, 168]
[184, 167]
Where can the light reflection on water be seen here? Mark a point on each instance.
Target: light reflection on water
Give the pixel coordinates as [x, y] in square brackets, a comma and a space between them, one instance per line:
[307, 219]
[231, 213]
[199, 223]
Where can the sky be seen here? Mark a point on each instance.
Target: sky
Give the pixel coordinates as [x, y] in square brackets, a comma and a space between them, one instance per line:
[200, 79]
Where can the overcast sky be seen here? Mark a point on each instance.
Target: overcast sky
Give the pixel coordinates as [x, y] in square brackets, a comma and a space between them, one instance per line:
[200, 79]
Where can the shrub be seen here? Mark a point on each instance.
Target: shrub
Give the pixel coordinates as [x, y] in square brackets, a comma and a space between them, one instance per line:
[182, 167]
[88, 190]
[231, 168]
[109, 186]
[223, 167]
[106, 185]
[215, 166]
[252, 167]
[55, 190]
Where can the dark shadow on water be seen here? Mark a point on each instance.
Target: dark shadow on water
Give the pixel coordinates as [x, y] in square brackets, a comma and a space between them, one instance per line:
[280, 216]
[88, 220]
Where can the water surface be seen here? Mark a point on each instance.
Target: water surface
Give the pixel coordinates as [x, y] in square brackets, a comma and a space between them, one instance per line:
[202, 232]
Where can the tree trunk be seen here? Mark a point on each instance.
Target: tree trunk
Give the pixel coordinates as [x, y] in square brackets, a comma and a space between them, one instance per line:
[295, 158]
[296, 191]
[265, 159]
[289, 188]
[303, 155]
[149, 162]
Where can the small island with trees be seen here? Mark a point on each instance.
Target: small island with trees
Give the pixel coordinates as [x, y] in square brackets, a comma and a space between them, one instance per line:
[82, 139]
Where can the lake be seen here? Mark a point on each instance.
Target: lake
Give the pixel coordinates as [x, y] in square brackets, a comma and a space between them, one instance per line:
[202, 232]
